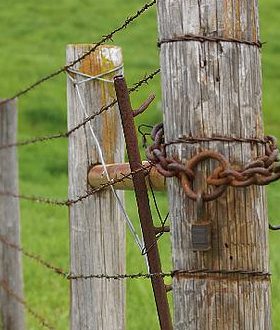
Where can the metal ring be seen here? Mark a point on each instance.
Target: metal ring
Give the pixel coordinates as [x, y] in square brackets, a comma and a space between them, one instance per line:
[192, 164]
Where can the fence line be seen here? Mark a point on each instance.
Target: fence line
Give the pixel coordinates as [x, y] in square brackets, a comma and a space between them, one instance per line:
[174, 273]
[38, 139]
[107, 37]
[34, 257]
[191, 272]
[29, 309]
[69, 202]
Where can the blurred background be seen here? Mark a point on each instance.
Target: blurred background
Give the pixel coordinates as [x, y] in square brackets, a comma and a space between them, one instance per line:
[33, 38]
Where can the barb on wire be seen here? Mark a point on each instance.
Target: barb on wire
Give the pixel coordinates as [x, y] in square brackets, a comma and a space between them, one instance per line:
[29, 309]
[134, 88]
[107, 185]
[174, 273]
[35, 199]
[34, 257]
[69, 202]
[193, 273]
[105, 38]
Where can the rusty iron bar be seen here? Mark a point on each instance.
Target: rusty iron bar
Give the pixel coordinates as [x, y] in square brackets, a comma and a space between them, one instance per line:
[97, 176]
[162, 229]
[143, 202]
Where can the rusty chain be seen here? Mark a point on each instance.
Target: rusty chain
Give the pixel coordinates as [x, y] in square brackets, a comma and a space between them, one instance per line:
[260, 171]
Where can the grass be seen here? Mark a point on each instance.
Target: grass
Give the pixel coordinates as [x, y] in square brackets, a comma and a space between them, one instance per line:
[33, 39]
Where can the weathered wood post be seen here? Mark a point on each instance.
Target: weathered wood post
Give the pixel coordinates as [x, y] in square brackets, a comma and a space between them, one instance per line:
[213, 87]
[11, 311]
[97, 229]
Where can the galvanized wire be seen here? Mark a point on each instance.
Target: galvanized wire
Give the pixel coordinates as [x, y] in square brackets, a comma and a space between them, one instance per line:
[128, 222]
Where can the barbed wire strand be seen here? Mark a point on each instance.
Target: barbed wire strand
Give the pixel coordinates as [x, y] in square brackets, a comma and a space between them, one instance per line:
[42, 321]
[76, 84]
[35, 257]
[69, 202]
[175, 273]
[105, 38]
[134, 88]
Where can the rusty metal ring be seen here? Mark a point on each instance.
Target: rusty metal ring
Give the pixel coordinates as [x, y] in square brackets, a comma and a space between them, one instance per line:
[192, 164]
[180, 168]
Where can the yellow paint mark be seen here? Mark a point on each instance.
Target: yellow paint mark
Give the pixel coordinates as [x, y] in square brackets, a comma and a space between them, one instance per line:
[95, 64]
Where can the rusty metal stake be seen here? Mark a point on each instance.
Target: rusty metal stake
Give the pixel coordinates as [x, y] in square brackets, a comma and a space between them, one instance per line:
[143, 202]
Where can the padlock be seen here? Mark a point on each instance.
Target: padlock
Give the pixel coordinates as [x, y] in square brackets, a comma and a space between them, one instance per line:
[201, 231]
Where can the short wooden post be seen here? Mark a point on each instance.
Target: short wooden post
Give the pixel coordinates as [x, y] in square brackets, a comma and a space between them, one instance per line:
[97, 228]
[214, 88]
[11, 311]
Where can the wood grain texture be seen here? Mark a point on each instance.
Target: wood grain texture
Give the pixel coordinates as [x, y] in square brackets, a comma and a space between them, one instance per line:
[215, 89]
[97, 229]
[11, 312]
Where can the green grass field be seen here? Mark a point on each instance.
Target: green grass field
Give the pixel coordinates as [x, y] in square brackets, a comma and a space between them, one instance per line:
[32, 42]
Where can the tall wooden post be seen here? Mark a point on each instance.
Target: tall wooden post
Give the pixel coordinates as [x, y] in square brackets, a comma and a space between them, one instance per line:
[11, 311]
[214, 88]
[97, 229]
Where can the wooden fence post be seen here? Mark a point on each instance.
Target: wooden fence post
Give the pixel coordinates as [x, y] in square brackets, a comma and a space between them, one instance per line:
[11, 311]
[214, 88]
[97, 229]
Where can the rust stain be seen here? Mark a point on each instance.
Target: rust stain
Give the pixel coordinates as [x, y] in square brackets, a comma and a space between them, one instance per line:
[237, 19]
[95, 64]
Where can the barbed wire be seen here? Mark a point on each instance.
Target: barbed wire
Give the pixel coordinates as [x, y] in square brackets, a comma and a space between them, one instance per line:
[193, 273]
[43, 322]
[134, 88]
[105, 38]
[35, 199]
[33, 256]
[69, 202]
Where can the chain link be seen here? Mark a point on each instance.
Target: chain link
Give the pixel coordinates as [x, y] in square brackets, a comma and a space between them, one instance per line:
[260, 171]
